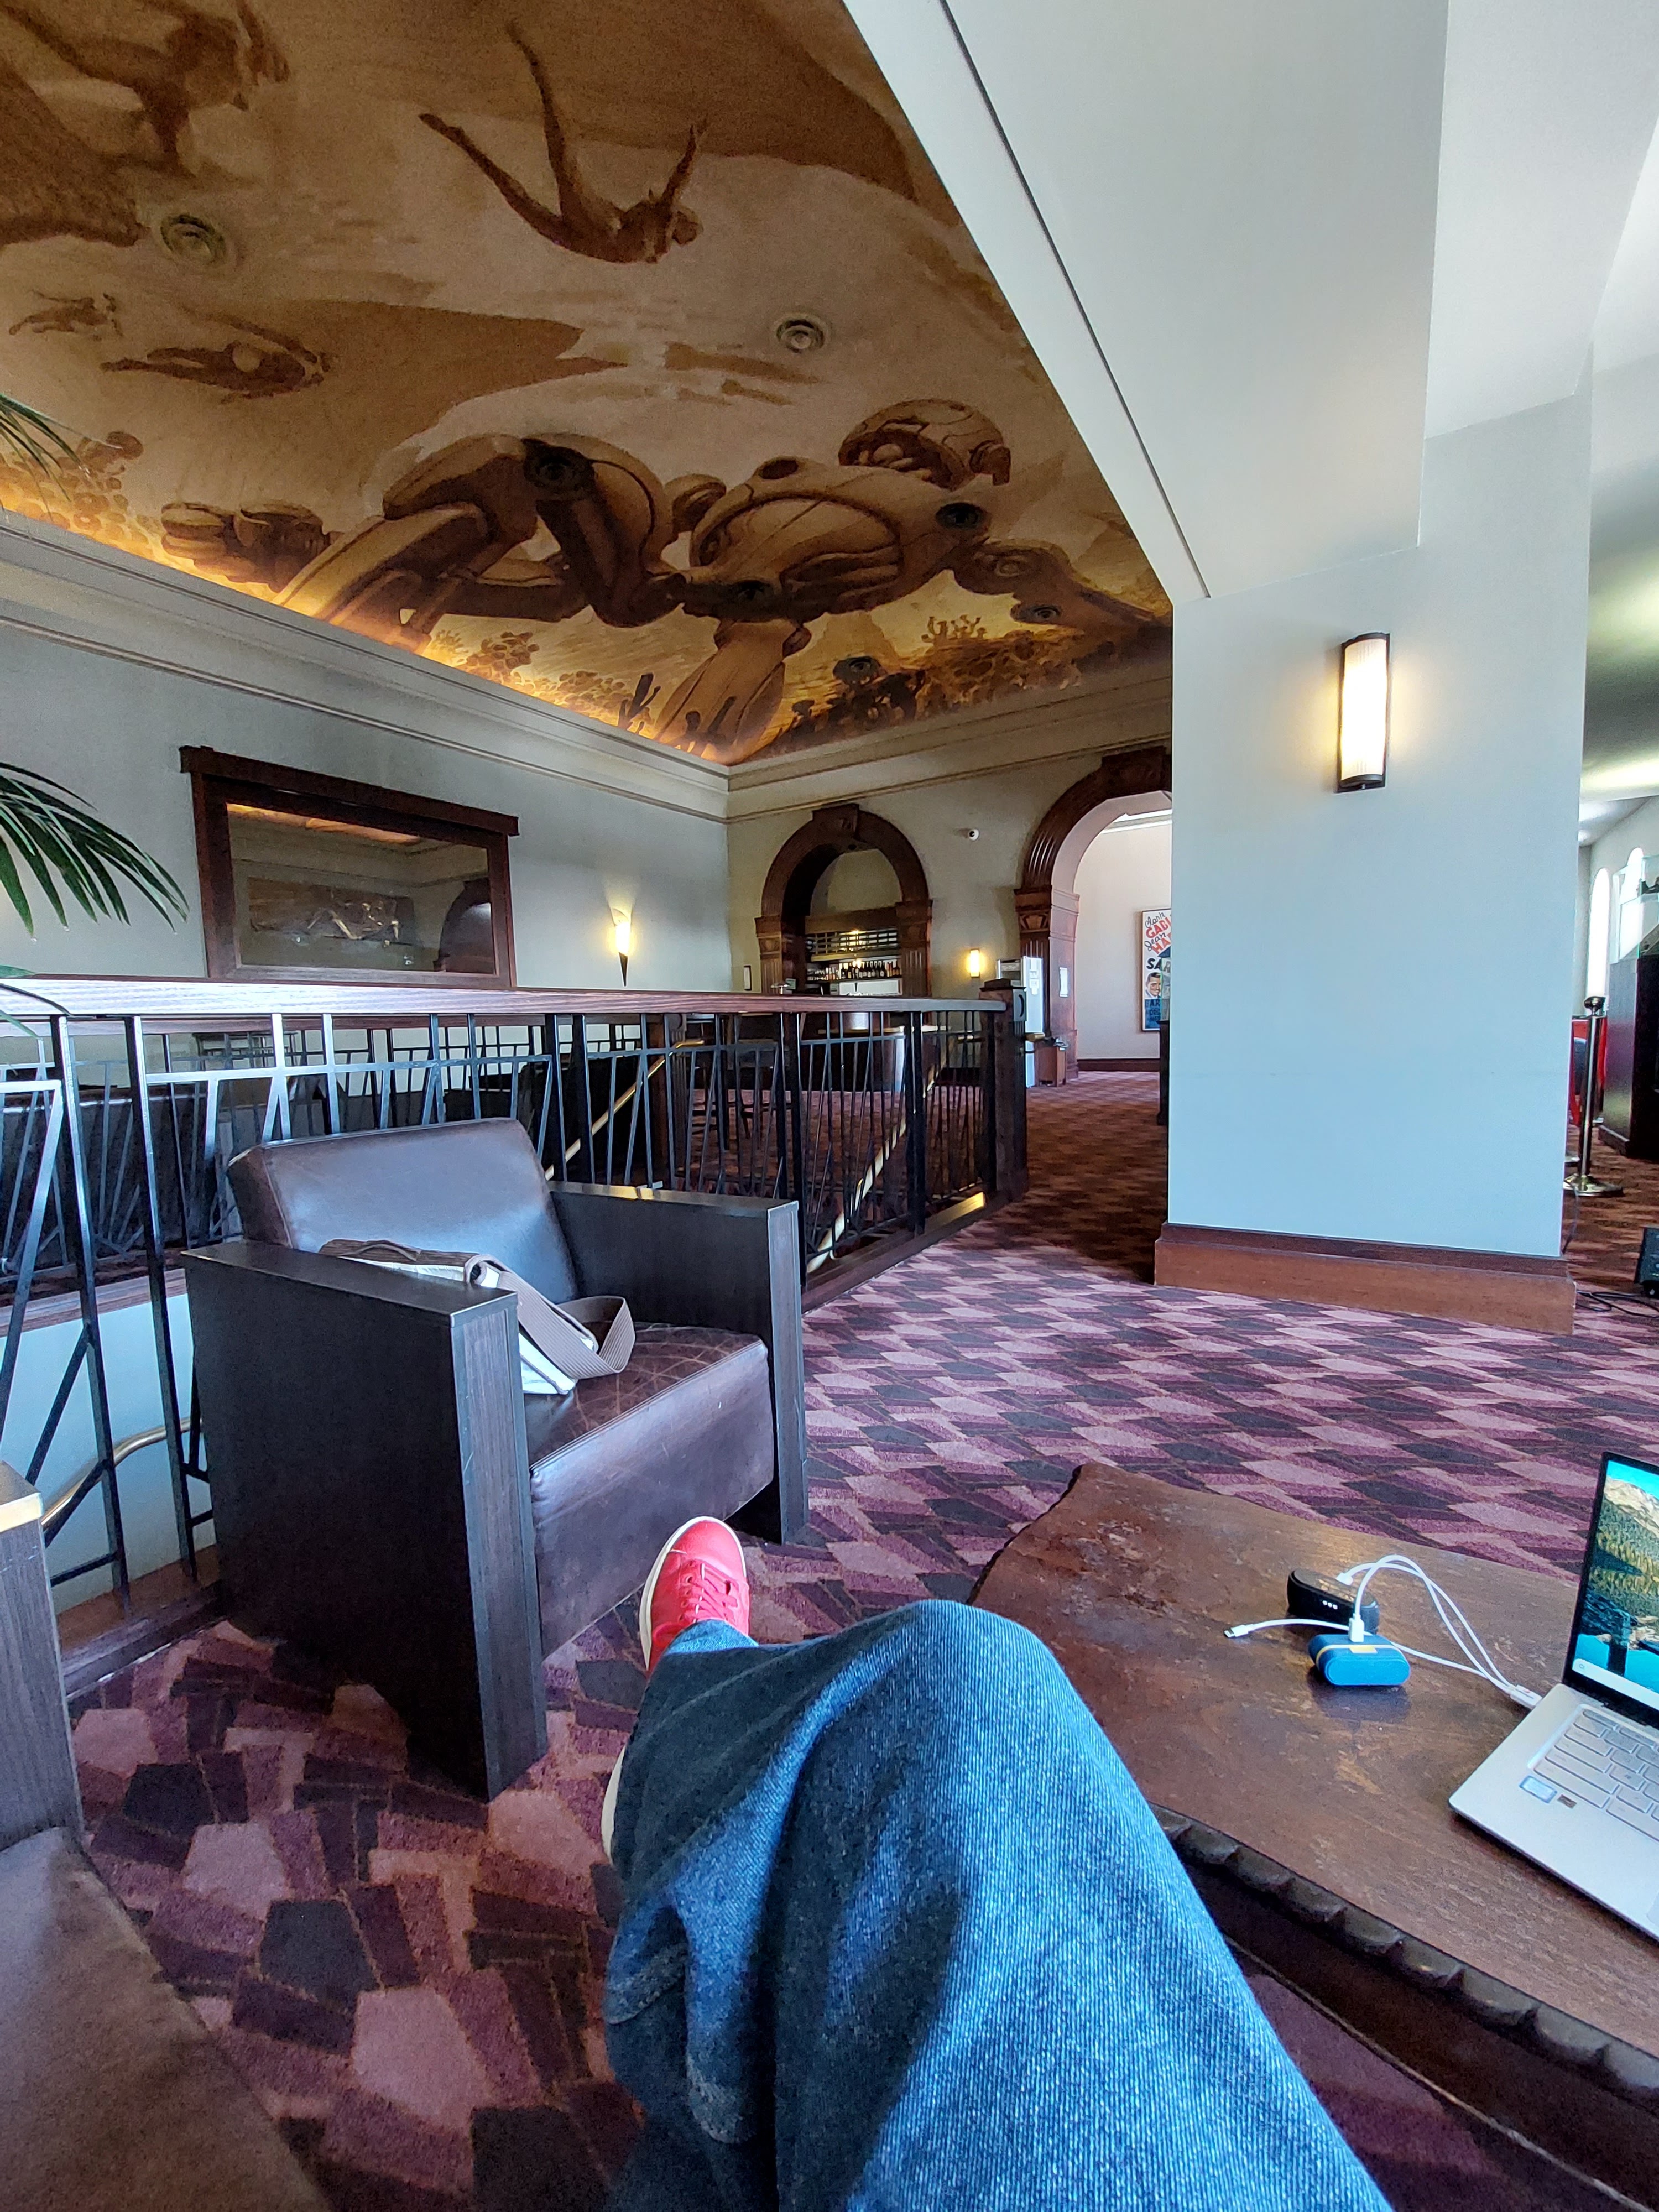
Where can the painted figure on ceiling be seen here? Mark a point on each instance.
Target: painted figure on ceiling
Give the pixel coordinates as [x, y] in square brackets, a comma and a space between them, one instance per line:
[52, 185]
[204, 61]
[91, 311]
[909, 499]
[255, 364]
[584, 221]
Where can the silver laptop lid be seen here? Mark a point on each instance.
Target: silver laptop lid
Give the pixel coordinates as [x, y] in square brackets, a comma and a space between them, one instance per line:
[1613, 1653]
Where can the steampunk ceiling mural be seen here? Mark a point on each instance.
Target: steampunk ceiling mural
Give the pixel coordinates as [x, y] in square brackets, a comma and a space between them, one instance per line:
[626, 352]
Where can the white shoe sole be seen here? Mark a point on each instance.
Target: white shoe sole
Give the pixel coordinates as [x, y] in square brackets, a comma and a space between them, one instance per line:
[608, 1810]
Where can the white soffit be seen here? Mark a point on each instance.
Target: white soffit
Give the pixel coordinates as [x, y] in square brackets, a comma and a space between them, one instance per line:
[1549, 114]
[914, 42]
[1627, 323]
[1242, 198]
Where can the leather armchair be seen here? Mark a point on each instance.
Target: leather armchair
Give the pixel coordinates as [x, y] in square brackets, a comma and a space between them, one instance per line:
[383, 1492]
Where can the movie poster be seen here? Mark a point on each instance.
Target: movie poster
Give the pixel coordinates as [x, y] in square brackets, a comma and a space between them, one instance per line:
[1154, 966]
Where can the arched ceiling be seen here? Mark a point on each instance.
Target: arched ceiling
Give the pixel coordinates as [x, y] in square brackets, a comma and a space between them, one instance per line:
[628, 352]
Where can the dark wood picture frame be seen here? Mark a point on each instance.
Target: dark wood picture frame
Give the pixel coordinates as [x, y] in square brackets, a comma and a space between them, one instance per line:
[220, 780]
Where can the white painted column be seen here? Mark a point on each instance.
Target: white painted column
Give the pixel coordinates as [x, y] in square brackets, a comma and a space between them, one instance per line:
[1368, 988]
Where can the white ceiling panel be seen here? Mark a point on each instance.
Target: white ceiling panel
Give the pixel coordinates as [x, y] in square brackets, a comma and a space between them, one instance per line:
[1549, 113]
[1244, 202]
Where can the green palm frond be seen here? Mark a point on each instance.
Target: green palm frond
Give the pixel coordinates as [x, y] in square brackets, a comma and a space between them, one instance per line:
[31, 437]
[46, 833]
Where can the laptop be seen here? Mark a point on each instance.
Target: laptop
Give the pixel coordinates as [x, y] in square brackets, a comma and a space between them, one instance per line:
[1576, 1786]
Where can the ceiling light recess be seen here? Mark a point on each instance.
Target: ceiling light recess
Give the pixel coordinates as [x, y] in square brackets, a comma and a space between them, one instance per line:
[802, 333]
[193, 238]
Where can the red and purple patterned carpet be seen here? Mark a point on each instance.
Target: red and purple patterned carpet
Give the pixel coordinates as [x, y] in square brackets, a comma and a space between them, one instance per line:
[410, 1981]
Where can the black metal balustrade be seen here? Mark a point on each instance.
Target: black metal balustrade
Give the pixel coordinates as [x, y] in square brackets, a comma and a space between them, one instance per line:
[879, 1117]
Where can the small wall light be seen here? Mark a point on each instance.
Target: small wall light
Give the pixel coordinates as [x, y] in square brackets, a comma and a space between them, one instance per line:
[625, 936]
[976, 965]
[1362, 744]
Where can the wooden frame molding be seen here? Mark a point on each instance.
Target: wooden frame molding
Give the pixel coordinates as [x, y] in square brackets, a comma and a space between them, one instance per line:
[222, 781]
[1047, 919]
[1503, 1290]
[781, 925]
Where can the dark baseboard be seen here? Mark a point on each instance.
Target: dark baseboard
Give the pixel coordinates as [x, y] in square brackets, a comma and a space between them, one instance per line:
[97, 1639]
[1506, 1289]
[1147, 1065]
[858, 1266]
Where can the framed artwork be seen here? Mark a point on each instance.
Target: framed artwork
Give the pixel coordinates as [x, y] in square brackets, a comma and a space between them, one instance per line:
[307, 876]
[1154, 965]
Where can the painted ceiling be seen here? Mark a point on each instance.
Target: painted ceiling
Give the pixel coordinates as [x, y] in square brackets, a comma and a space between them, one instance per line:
[626, 352]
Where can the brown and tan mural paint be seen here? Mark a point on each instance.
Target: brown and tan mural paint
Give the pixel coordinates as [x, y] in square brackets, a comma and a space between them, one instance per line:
[626, 352]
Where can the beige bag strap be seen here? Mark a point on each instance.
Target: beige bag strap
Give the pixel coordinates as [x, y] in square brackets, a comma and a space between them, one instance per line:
[583, 1338]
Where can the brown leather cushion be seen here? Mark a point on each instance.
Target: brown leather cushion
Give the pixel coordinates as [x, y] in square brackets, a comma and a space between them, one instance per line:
[686, 1428]
[455, 1187]
[116, 2098]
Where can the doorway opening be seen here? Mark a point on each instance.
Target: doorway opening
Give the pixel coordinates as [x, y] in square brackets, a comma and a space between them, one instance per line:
[846, 911]
[1120, 983]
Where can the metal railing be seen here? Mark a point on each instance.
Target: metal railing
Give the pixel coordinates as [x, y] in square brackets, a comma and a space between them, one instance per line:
[123, 1101]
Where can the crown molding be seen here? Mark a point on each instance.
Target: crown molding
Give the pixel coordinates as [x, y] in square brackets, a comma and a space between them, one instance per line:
[1129, 708]
[76, 593]
[54, 584]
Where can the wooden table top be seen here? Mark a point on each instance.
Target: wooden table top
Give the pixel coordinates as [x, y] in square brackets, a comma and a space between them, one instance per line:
[1130, 1582]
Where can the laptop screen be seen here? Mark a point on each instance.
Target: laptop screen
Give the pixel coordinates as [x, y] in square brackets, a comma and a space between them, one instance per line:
[1615, 1632]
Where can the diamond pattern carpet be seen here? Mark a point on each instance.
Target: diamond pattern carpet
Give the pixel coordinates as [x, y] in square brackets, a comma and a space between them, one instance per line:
[410, 1981]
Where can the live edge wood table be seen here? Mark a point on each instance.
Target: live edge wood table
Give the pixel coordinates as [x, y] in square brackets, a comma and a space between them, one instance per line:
[1314, 1821]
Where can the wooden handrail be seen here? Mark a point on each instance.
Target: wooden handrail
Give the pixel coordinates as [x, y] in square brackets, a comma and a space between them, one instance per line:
[111, 998]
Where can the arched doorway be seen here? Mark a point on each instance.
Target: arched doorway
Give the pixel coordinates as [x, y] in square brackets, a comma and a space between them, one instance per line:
[902, 925]
[1046, 898]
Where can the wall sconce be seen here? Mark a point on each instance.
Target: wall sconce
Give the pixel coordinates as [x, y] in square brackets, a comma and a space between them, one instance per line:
[976, 965]
[1362, 744]
[625, 936]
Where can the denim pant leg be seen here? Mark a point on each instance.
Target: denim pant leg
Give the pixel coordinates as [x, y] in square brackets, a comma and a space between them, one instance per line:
[901, 1932]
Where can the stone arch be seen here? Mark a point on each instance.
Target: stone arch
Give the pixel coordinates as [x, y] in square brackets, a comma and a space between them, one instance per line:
[793, 876]
[1045, 899]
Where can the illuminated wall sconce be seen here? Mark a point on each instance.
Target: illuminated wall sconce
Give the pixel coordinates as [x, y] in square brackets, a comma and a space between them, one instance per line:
[976, 965]
[624, 937]
[1362, 744]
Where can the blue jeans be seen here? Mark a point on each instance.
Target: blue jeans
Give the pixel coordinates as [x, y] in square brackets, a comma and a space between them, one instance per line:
[901, 1932]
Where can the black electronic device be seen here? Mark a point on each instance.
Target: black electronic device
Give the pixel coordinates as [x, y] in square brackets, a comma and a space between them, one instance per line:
[1309, 1596]
[1647, 1263]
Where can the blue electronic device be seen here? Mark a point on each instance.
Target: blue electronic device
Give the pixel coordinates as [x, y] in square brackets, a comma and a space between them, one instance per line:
[1370, 1664]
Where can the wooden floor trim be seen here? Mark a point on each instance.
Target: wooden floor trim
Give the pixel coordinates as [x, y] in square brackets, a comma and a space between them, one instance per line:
[1505, 1290]
[97, 1638]
[859, 1266]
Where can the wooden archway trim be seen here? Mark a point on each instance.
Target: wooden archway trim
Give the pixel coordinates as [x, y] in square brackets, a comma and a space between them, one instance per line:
[794, 875]
[1143, 768]
[1048, 920]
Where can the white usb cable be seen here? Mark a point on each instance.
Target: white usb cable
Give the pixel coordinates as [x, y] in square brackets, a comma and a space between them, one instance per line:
[1476, 1659]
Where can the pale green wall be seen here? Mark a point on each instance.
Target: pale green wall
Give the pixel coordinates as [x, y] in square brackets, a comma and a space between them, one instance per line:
[112, 730]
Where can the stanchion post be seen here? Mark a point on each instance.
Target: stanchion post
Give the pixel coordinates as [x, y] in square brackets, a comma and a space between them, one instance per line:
[1584, 1183]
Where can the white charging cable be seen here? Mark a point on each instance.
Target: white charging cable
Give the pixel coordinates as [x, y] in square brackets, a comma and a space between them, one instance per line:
[1476, 1659]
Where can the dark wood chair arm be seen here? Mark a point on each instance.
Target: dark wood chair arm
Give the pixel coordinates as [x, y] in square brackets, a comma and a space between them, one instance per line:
[371, 1488]
[704, 1260]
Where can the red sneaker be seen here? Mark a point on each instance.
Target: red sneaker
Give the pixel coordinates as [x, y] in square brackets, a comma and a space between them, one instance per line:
[700, 1575]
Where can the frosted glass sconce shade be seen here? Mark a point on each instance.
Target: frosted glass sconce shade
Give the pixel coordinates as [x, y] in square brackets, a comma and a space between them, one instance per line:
[624, 940]
[976, 965]
[1362, 745]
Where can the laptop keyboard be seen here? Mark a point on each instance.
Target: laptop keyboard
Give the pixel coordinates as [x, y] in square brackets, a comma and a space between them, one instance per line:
[1603, 1762]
